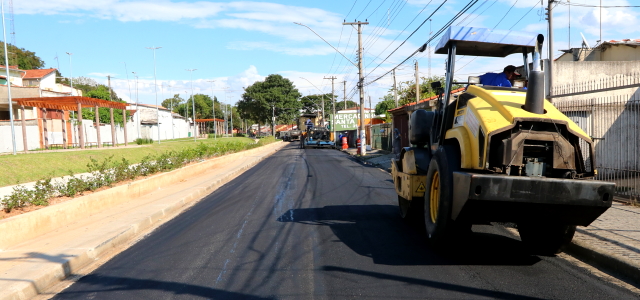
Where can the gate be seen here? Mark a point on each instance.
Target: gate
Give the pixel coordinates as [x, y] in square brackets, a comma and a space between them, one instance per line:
[381, 137]
[612, 123]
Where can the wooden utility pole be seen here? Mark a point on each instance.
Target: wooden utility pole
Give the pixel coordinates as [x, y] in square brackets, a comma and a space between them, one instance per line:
[360, 84]
[417, 83]
[344, 93]
[395, 87]
[333, 103]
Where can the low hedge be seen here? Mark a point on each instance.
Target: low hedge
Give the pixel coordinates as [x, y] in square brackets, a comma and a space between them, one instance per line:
[111, 171]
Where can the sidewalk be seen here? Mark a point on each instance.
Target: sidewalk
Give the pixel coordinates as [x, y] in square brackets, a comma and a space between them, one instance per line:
[30, 267]
[611, 243]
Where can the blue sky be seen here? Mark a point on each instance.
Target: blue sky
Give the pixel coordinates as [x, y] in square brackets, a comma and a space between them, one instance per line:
[237, 43]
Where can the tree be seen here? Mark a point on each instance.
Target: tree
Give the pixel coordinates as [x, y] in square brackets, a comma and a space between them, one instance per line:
[275, 95]
[407, 89]
[24, 59]
[101, 91]
[173, 102]
[313, 104]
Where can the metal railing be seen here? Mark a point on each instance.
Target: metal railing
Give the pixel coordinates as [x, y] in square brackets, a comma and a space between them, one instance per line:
[613, 123]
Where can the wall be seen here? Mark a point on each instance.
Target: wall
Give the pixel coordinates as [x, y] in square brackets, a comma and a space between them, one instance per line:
[6, 144]
[578, 76]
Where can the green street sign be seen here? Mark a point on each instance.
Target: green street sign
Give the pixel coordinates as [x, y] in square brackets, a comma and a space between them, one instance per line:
[348, 121]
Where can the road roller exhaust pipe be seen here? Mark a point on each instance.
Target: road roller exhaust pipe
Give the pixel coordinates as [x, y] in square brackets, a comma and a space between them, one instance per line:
[534, 102]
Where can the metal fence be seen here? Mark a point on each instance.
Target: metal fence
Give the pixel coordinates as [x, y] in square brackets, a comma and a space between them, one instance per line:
[613, 123]
[381, 136]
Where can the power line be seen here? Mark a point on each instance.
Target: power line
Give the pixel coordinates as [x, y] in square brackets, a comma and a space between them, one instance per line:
[514, 25]
[505, 15]
[405, 28]
[591, 5]
[365, 7]
[380, 30]
[482, 13]
[405, 40]
[458, 15]
[471, 13]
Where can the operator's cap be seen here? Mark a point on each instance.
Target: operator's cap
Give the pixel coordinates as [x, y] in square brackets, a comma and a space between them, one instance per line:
[511, 68]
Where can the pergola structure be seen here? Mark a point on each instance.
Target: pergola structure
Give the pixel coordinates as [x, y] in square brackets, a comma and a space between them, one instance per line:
[71, 103]
[203, 124]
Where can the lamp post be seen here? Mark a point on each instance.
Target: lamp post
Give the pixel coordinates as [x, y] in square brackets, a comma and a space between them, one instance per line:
[70, 72]
[127, 72]
[213, 108]
[137, 112]
[155, 85]
[193, 102]
[322, 98]
[6, 64]
[173, 133]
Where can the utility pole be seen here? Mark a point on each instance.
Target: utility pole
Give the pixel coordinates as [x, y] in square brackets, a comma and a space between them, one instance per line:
[429, 50]
[344, 93]
[155, 85]
[333, 103]
[193, 103]
[360, 84]
[109, 84]
[550, 69]
[173, 133]
[417, 83]
[213, 100]
[137, 112]
[6, 65]
[395, 87]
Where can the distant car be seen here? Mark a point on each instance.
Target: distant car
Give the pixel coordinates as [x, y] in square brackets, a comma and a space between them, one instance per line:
[294, 135]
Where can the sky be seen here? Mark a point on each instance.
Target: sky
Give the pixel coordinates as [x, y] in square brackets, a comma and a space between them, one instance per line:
[232, 44]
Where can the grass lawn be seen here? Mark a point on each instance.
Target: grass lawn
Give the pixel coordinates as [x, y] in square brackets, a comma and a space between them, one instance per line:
[24, 168]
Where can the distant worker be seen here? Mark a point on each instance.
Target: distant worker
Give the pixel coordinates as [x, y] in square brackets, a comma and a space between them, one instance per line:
[503, 79]
[397, 143]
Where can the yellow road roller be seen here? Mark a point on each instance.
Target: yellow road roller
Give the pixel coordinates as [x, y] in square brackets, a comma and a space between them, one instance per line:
[498, 154]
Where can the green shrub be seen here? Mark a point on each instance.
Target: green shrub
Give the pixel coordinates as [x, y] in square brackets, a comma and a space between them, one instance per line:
[19, 198]
[141, 141]
[109, 172]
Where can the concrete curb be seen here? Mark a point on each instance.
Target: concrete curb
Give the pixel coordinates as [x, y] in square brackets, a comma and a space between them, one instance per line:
[36, 223]
[57, 273]
[603, 260]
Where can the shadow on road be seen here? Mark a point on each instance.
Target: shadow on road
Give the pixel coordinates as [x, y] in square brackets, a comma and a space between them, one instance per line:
[430, 283]
[378, 232]
[91, 284]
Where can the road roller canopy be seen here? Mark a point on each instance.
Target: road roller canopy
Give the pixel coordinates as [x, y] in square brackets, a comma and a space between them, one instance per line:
[475, 41]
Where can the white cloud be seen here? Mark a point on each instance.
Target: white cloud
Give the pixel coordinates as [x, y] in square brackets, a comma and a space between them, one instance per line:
[298, 51]
[97, 74]
[233, 85]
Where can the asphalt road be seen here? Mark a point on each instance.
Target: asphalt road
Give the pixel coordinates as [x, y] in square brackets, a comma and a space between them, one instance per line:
[314, 224]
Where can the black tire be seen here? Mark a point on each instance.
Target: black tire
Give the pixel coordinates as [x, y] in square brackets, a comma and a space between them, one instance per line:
[546, 239]
[412, 211]
[438, 223]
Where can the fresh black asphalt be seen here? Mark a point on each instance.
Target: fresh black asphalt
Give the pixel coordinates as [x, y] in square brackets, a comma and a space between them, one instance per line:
[315, 224]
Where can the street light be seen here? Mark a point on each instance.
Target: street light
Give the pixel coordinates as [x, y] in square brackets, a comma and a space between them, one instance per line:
[193, 102]
[213, 101]
[6, 64]
[322, 98]
[70, 72]
[129, 85]
[155, 83]
[137, 112]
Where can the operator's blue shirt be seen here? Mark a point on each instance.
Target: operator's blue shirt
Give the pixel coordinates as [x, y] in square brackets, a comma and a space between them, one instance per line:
[495, 79]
